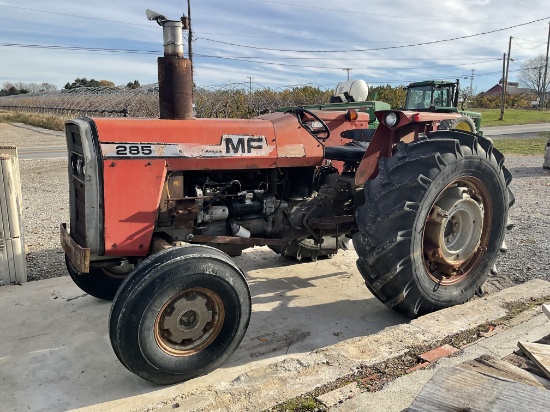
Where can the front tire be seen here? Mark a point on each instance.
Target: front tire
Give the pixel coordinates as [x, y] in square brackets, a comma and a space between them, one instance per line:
[180, 314]
[99, 283]
[432, 222]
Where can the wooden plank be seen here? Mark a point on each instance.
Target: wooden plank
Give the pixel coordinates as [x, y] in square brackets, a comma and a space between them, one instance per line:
[457, 389]
[496, 368]
[538, 353]
[523, 362]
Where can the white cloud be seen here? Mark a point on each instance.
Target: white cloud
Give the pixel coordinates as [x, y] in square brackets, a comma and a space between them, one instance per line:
[306, 25]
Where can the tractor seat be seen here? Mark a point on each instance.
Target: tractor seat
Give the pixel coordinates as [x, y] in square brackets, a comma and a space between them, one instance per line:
[345, 153]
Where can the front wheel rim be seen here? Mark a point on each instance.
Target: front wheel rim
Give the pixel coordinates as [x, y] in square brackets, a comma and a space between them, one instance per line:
[457, 230]
[189, 322]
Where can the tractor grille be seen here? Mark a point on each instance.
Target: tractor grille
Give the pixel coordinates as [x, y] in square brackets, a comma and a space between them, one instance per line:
[77, 185]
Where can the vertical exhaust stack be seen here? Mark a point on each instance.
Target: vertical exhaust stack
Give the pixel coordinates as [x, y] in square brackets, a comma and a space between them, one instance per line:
[174, 71]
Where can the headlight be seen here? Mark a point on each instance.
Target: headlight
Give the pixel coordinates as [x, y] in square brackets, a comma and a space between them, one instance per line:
[391, 119]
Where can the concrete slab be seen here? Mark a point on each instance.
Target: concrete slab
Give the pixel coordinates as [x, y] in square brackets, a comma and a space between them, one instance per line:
[399, 394]
[266, 386]
[339, 395]
[55, 352]
[312, 324]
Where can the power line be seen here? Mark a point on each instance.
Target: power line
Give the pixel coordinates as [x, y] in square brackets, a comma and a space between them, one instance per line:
[532, 41]
[75, 15]
[316, 7]
[246, 60]
[222, 34]
[302, 51]
[479, 59]
[77, 48]
[337, 68]
[378, 48]
[299, 38]
[528, 48]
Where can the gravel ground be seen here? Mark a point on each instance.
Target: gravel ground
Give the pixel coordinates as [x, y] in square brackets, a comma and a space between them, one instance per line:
[45, 197]
[45, 205]
[528, 255]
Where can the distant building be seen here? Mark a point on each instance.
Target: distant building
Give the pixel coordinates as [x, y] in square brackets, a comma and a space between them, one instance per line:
[512, 88]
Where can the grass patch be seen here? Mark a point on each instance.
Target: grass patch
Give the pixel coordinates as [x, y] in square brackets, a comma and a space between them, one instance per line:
[489, 117]
[46, 121]
[301, 404]
[523, 146]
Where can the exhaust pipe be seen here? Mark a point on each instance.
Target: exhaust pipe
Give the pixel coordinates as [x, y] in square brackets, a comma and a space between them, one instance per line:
[174, 71]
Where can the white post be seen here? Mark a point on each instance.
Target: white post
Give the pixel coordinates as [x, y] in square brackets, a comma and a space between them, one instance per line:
[13, 264]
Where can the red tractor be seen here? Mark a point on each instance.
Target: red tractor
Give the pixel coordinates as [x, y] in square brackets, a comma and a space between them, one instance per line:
[158, 206]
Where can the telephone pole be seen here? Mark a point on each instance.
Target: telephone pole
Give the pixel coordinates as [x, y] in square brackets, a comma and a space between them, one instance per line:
[348, 70]
[502, 87]
[472, 81]
[250, 84]
[505, 85]
[545, 69]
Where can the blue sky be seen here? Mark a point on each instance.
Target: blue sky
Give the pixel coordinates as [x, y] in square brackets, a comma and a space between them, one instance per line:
[285, 42]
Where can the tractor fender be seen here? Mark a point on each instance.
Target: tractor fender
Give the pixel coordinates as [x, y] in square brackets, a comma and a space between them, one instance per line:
[408, 127]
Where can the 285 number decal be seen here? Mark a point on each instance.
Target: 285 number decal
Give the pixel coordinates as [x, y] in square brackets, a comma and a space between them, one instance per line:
[134, 150]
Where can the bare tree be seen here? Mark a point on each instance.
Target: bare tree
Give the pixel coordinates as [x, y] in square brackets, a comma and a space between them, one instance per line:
[47, 87]
[531, 75]
[466, 95]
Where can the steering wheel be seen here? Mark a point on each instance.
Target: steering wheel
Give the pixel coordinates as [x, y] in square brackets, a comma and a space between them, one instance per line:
[301, 114]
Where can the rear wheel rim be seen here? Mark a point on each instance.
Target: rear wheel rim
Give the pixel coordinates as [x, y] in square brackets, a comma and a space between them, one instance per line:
[189, 321]
[463, 126]
[457, 230]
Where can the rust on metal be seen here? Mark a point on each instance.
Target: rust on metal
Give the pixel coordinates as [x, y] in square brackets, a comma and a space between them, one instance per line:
[331, 223]
[449, 270]
[175, 88]
[380, 146]
[158, 244]
[79, 256]
[233, 240]
[189, 321]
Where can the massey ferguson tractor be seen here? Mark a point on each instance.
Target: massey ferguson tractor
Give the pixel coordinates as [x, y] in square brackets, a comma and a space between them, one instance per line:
[158, 206]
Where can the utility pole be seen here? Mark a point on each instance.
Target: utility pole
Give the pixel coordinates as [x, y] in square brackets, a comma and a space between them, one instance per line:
[505, 85]
[545, 69]
[502, 87]
[472, 81]
[507, 67]
[348, 70]
[250, 84]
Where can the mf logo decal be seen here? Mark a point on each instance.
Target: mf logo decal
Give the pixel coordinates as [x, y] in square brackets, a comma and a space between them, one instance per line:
[231, 145]
[236, 144]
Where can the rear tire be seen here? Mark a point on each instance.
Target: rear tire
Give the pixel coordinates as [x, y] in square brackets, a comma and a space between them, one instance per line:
[464, 123]
[414, 260]
[180, 314]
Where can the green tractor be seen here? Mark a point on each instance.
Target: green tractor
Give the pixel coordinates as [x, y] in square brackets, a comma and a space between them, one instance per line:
[441, 97]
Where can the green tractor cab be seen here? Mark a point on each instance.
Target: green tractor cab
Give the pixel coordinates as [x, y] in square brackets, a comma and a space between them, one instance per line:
[442, 97]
